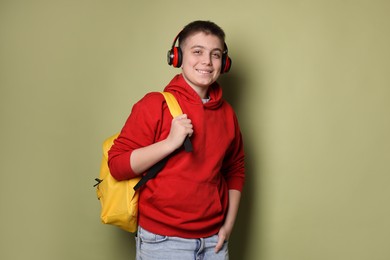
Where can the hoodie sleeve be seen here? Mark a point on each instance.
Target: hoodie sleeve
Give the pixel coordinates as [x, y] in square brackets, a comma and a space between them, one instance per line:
[233, 167]
[141, 128]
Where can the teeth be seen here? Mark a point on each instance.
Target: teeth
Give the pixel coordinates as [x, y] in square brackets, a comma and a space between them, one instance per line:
[204, 71]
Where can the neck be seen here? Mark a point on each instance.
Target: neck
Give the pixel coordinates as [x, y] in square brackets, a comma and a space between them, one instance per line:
[201, 91]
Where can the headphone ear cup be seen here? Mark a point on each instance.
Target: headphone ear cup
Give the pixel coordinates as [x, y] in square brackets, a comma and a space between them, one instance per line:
[179, 56]
[175, 57]
[170, 57]
[226, 63]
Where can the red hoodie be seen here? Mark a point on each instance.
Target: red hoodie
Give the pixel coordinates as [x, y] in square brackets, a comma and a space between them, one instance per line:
[189, 197]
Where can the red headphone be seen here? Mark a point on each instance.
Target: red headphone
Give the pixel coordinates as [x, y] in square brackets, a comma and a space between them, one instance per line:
[175, 57]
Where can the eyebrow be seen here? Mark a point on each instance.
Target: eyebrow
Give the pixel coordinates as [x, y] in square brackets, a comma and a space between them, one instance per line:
[202, 47]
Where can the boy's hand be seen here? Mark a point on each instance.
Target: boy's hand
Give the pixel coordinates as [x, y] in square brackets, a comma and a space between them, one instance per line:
[181, 127]
[223, 235]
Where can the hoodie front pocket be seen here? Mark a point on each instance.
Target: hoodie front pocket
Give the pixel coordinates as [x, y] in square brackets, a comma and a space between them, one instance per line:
[189, 201]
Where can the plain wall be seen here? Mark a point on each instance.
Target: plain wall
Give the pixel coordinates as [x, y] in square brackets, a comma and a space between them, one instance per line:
[310, 83]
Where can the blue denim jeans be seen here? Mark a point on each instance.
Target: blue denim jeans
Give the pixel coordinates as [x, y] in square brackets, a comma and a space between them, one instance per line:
[155, 247]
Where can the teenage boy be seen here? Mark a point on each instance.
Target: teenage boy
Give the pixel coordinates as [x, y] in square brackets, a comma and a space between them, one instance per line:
[188, 210]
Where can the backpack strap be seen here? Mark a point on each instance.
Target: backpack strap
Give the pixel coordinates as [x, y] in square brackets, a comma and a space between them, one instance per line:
[175, 110]
[151, 173]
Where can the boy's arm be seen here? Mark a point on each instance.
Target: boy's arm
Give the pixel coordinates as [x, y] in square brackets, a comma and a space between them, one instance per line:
[143, 158]
[227, 228]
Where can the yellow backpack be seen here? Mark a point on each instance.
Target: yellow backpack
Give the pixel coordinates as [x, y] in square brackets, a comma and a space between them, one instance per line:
[119, 199]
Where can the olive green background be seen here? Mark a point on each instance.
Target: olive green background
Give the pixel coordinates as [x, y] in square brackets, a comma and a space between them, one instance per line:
[310, 83]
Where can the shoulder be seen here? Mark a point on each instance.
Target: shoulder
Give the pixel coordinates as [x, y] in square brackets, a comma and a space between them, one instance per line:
[150, 101]
[152, 98]
[226, 106]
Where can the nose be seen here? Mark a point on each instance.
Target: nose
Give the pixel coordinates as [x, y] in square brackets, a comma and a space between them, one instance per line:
[207, 59]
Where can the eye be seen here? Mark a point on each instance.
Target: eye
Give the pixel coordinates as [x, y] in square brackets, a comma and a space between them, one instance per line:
[216, 55]
[197, 52]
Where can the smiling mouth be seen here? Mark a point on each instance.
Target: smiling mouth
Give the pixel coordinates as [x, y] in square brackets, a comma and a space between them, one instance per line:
[204, 71]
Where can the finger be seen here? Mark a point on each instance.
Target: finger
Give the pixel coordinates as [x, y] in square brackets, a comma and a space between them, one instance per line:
[190, 132]
[219, 244]
[182, 116]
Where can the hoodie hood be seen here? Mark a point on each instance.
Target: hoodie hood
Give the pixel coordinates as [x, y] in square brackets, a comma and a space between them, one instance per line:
[180, 87]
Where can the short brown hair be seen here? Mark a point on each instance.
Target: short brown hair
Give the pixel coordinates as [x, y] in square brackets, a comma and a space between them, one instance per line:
[206, 27]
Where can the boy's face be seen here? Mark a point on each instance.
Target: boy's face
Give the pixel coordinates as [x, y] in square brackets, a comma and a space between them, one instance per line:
[202, 61]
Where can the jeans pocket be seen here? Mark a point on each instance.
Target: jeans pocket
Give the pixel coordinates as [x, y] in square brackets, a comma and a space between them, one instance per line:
[148, 237]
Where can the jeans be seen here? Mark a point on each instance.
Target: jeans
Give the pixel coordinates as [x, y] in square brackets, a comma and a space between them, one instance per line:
[156, 247]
